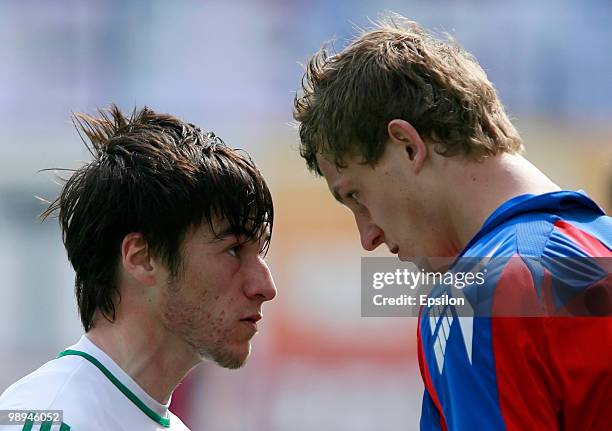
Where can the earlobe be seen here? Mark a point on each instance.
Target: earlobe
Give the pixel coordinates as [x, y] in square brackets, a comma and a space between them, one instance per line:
[136, 259]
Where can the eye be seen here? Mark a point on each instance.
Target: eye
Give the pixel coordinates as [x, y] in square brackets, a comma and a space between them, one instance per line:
[233, 251]
[354, 195]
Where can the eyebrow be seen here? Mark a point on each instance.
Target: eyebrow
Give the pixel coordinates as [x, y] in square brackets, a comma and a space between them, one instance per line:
[227, 232]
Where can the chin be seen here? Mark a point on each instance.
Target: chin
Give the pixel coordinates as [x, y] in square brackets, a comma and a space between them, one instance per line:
[404, 257]
[230, 358]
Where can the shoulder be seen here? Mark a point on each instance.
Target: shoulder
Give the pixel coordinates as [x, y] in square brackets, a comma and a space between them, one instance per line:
[546, 262]
[538, 234]
[68, 384]
[39, 389]
[528, 225]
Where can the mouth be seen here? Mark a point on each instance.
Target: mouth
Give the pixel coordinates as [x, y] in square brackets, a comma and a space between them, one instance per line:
[252, 320]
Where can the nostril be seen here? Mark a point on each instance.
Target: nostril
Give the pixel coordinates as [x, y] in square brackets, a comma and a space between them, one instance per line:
[373, 240]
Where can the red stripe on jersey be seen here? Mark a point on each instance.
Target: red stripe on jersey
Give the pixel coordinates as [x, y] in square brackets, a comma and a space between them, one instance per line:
[588, 243]
[515, 295]
[528, 397]
[581, 346]
[429, 387]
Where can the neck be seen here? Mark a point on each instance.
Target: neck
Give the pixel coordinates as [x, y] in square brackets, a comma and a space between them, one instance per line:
[157, 361]
[480, 188]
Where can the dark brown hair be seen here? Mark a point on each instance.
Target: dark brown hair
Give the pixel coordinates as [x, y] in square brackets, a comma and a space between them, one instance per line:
[157, 175]
[397, 70]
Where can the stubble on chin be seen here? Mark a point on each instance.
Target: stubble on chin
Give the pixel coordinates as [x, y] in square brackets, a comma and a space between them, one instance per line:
[225, 358]
[205, 335]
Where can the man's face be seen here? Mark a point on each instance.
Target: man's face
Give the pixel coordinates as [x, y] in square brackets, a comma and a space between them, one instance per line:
[215, 301]
[390, 204]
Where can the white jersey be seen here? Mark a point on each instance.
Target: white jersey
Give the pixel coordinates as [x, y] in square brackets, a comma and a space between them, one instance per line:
[93, 392]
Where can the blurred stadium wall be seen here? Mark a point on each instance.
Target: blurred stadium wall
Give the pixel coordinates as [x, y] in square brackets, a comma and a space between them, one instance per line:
[233, 67]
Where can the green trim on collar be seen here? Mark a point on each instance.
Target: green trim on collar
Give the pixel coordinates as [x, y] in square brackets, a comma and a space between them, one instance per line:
[165, 422]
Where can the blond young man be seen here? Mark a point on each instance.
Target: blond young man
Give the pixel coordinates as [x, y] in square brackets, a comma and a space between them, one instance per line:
[411, 136]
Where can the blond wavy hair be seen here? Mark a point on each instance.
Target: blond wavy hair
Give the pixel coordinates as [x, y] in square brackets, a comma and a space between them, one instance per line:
[397, 70]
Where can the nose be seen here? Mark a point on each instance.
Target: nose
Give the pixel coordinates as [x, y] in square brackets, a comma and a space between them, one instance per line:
[260, 284]
[371, 235]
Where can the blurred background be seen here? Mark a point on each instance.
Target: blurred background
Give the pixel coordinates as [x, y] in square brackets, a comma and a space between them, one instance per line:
[233, 67]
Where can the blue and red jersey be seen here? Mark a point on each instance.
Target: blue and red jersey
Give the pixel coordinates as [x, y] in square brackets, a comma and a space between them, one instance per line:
[548, 372]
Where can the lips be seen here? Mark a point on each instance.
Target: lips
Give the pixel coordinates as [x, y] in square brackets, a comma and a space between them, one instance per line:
[251, 321]
[252, 318]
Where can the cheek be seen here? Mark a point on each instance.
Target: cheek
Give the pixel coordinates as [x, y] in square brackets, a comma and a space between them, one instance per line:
[187, 300]
[201, 319]
[389, 211]
[182, 310]
[397, 215]
[205, 291]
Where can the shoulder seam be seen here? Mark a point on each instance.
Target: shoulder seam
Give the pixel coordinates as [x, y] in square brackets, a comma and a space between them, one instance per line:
[540, 250]
[546, 243]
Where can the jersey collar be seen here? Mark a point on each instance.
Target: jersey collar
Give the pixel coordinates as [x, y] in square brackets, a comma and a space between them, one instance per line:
[553, 201]
[86, 349]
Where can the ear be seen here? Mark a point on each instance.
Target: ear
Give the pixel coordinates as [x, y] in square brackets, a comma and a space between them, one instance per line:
[404, 135]
[136, 259]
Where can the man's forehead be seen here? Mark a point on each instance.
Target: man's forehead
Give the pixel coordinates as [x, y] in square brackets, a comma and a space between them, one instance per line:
[332, 171]
[328, 168]
[337, 178]
[326, 165]
[346, 163]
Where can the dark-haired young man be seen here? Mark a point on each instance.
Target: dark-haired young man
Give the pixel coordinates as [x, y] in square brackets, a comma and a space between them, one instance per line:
[166, 229]
[411, 136]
